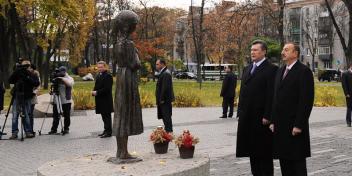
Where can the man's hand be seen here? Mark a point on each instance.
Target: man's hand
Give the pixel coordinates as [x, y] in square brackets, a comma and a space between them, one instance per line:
[265, 121]
[271, 127]
[94, 93]
[296, 131]
[348, 95]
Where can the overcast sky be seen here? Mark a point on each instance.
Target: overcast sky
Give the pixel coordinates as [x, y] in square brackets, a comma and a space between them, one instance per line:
[184, 4]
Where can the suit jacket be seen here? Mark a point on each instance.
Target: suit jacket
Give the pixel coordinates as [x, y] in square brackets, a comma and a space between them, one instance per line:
[292, 105]
[164, 94]
[103, 99]
[229, 84]
[2, 92]
[255, 100]
[346, 81]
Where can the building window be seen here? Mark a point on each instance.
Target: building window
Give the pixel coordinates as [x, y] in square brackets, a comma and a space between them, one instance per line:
[325, 50]
[327, 64]
[308, 51]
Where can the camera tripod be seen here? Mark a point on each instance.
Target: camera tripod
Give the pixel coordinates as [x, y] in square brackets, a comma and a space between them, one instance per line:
[19, 109]
[55, 100]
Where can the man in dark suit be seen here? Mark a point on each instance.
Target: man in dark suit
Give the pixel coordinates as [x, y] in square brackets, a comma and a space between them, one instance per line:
[2, 92]
[228, 91]
[164, 94]
[292, 105]
[103, 97]
[346, 81]
[254, 139]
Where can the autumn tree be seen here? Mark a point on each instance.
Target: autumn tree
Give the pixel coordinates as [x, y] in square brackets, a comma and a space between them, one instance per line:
[197, 19]
[155, 32]
[346, 40]
[50, 22]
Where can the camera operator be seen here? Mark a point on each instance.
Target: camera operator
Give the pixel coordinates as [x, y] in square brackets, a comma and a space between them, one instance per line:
[64, 91]
[24, 81]
[35, 96]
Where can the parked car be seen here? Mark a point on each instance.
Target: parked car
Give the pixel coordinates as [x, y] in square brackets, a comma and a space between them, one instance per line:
[329, 75]
[186, 75]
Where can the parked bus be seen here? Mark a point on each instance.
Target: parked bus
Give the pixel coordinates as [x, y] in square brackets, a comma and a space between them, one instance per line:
[216, 71]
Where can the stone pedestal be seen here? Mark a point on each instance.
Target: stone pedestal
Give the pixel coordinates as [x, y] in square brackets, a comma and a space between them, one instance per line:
[169, 164]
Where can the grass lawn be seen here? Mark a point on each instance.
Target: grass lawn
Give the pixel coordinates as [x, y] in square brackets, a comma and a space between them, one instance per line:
[209, 94]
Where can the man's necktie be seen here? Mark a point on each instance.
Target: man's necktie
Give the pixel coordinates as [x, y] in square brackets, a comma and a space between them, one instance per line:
[286, 71]
[253, 68]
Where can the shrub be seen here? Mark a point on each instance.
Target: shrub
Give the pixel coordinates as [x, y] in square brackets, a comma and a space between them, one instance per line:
[146, 99]
[325, 96]
[83, 100]
[187, 99]
[83, 71]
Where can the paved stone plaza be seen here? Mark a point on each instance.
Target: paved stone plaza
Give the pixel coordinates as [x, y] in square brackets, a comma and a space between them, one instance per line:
[331, 142]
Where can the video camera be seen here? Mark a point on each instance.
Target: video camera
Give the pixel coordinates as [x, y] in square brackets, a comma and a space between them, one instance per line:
[21, 70]
[55, 82]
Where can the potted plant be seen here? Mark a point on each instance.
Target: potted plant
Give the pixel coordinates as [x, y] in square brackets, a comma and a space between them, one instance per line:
[185, 143]
[160, 139]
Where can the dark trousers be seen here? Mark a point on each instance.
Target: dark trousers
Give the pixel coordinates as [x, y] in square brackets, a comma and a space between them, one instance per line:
[261, 166]
[66, 108]
[31, 116]
[226, 103]
[348, 114]
[107, 123]
[293, 167]
[165, 113]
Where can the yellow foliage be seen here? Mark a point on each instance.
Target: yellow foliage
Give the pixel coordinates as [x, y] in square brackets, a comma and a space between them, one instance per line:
[187, 99]
[83, 100]
[146, 99]
[325, 96]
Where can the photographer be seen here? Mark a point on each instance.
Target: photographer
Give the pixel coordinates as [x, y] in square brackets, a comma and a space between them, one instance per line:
[35, 96]
[63, 83]
[24, 81]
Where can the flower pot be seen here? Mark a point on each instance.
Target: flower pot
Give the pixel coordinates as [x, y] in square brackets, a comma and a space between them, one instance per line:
[186, 152]
[161, 148]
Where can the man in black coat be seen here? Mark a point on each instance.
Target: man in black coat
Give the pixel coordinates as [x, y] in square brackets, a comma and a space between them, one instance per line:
[103, 97]
[164, 94]
[254, 139]
[2, 92]
[292, 105]
[346, 81]
[228, 91]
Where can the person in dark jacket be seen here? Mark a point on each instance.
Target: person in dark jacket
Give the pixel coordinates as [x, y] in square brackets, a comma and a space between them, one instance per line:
[346, 81]
[254, 139]
[292, 105]
[2, 92]
[103, 97]
[25, 81]
[164, 94]
[228, 92]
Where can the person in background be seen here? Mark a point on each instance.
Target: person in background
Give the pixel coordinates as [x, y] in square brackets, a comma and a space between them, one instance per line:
[228, 92]
[103, 97]
[346, 81]
[164, 95]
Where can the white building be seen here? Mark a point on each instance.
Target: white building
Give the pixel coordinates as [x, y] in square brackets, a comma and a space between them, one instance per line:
[307, 23]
